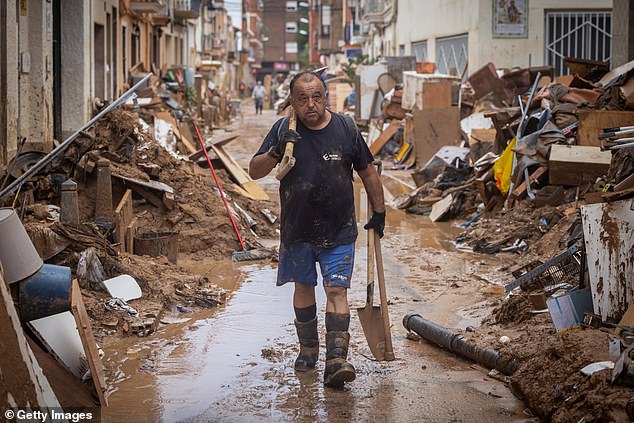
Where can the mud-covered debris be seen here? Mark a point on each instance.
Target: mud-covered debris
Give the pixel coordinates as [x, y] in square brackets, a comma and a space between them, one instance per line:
[203, 296]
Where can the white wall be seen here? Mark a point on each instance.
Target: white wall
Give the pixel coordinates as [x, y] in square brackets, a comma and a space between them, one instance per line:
[76, 66]
[511, 52]
[430, 19]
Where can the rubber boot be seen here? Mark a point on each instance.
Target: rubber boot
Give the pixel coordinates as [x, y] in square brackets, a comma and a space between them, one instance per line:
[308, 345]
[338, 370]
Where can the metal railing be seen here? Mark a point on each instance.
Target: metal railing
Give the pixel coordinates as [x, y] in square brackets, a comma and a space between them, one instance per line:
[582, 35]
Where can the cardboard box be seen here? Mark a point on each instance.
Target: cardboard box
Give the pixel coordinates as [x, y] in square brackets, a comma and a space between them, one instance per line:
[435, 128]
[567, 310]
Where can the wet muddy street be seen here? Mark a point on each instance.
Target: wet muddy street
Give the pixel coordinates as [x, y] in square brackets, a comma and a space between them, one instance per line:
[235, 363]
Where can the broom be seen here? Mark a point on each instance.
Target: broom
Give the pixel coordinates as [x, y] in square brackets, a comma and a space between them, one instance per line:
[244, 254]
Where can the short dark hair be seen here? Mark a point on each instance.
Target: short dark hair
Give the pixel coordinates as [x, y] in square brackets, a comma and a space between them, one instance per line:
[302, 75]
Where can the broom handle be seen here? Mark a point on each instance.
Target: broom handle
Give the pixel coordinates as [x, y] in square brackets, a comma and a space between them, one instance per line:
[222, 194]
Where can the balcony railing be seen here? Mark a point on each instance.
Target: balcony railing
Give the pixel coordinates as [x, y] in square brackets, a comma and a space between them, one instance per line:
[186, 9]
[163, 17]
[146, 6]
[375, 11]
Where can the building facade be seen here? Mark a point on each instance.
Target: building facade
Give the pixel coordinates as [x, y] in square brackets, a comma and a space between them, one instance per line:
[282, 32]
[463, 35]
[57, 57]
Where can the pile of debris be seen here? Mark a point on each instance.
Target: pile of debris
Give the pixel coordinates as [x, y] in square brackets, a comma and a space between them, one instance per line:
[99, 222]
[541, 167]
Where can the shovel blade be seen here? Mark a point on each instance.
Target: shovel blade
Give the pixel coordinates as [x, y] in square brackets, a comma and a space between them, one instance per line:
[372, 323]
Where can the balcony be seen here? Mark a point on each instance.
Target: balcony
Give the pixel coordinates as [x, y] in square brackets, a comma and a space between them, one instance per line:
[163, 17]
[376, 11]
[186, 9]
[146, 6]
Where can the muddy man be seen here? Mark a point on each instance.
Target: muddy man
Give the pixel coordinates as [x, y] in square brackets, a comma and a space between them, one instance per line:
[318, 223]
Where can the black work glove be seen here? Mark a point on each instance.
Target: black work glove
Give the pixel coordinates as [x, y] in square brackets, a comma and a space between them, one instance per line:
[376, 222]
[277, 151]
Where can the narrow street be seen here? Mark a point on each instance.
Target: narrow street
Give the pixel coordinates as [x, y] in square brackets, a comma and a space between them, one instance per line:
[235, 364]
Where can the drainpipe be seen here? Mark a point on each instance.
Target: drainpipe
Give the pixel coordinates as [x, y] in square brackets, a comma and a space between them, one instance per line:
[457, 344]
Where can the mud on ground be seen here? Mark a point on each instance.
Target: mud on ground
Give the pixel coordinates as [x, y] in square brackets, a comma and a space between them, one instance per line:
[549, 380]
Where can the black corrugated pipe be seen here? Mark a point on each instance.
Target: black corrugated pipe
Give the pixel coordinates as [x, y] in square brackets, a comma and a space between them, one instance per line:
[459, 345]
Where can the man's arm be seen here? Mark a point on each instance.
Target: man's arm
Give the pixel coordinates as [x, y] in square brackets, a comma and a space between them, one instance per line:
[261, 165]
[373, 187]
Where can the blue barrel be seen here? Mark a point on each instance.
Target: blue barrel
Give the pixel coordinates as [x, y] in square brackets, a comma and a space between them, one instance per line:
[45, 293]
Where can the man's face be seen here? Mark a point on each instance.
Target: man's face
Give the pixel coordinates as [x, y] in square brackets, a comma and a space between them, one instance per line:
[309, 101]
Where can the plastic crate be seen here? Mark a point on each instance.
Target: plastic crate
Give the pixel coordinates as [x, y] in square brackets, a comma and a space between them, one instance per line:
[565, 267]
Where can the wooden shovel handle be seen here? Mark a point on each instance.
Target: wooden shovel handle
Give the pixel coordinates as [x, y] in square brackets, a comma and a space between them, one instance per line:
[369, 301]
[288, 161]
[389, 349]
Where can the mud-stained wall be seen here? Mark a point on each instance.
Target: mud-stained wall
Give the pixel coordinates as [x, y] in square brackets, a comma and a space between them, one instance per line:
[26, 83]
[22, 382]
[35, 111]
[76, 60]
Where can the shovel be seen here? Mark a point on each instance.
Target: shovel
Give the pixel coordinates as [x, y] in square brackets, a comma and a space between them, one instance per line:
[375, 320]
[288, 160]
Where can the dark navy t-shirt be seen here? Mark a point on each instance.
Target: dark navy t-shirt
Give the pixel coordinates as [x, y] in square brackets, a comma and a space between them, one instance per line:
[317, 196]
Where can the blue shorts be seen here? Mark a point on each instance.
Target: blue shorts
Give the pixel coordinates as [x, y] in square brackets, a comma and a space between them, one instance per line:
[297, 264]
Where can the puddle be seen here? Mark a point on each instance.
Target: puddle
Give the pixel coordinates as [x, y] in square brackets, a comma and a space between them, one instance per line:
[235, 363]
[197, 363]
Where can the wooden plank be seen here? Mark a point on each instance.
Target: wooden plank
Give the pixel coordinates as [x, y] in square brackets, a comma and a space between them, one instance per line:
[187, 138]
[385, 136]
[482, 135]
[254, 191]
[123, 215]
[68, 390]
[154, 185]
[130, 234]
[433, 129]
[23, 379]
[574, 165]
[533, 177]
[88, 341]
[626, 183]
[221, 142]
[591, 122]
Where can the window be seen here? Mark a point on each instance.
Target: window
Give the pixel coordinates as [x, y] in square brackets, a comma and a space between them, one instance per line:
[291, 47]
[452, 53]
[419, 49]
[325, 20]
[291, 6]
[291, 26]
[586, 35]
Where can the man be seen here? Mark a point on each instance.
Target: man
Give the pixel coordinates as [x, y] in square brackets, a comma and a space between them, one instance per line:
[258, 95]
[318, 223]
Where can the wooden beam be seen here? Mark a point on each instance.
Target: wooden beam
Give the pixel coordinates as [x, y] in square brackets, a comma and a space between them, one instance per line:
[255, 192]
[533, 177]
[385, 136]
[123, 215]
[88, 341]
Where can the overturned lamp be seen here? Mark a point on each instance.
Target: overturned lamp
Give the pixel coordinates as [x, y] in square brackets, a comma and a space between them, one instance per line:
[40, 289]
